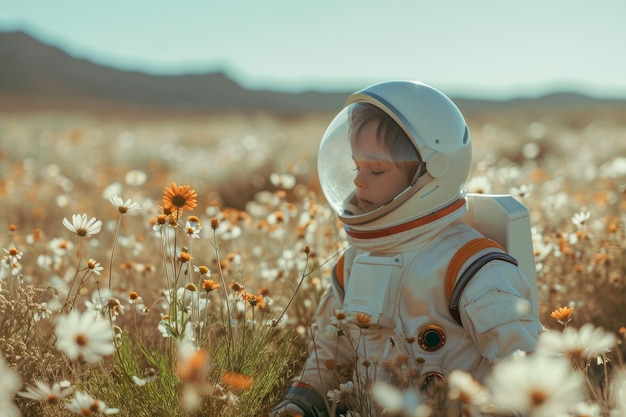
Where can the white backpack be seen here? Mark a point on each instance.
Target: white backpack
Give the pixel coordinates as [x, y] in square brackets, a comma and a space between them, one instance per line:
[501, 219]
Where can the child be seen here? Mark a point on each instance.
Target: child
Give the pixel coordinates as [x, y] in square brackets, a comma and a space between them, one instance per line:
[393, 165]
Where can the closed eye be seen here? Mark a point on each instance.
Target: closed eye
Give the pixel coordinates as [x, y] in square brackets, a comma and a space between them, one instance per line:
[374, 168]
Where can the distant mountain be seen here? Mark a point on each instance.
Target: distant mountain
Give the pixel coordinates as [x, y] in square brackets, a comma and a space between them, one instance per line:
[31, 72]
[30, 69]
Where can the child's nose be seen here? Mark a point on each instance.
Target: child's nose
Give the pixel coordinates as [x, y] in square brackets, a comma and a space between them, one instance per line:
[358, 180]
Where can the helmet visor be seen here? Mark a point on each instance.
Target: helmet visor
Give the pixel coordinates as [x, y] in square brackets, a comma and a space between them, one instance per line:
[366, 160]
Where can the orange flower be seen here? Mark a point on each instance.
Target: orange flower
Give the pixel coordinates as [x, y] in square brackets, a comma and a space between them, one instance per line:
[563, 315]
[184, 257]
[363, 319]
[177, 199]
[238, 381]
[254, 300]
[602, 258]
[237, 287]
[193, 368]
[209, 285]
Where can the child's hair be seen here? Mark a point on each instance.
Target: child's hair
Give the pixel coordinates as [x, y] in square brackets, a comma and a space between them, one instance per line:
[394, 138]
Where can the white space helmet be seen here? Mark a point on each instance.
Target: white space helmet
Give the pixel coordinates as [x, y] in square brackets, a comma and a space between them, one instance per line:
[436, 161]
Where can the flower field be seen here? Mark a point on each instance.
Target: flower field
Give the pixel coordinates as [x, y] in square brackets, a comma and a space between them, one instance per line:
[171, 265]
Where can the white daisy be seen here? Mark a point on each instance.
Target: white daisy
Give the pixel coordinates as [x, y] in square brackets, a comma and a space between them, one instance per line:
[125, 207]
[585, 409]
[149, 375]
[135, 178]
[85, 405]
[41, 311]
[577, 343]
[84, 335]
[285, 181]
[192, 229]
[465, 389]
[13, 254]
[60, 246]
[339, 319]
[82, 226]
[47, 393]
[396, 402]
[344, 390]
[113, 308]
[581, 218]
[618, 392]
[94, 266]
[536, 385]
[10, 382]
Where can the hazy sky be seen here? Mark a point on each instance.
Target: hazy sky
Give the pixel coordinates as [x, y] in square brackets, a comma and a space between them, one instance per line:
[496, 48]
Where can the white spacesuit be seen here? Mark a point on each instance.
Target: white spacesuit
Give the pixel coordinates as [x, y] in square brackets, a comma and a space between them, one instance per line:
[388, 306]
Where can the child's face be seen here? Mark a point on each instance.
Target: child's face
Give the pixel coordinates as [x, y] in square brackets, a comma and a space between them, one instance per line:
[378, 179]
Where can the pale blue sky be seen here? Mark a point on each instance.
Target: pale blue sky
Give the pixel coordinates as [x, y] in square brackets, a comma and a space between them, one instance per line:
[495, 48]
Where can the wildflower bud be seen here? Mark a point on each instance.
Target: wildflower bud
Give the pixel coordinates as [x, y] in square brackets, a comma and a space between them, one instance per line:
[191, 287]
[150, 373]
[133, 295]
[214, 223]
[237, 287]
[184, 257]
[307, 250]
[161, 219]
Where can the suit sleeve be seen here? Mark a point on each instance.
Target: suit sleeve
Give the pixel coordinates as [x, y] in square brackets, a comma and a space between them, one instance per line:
[497, 311]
